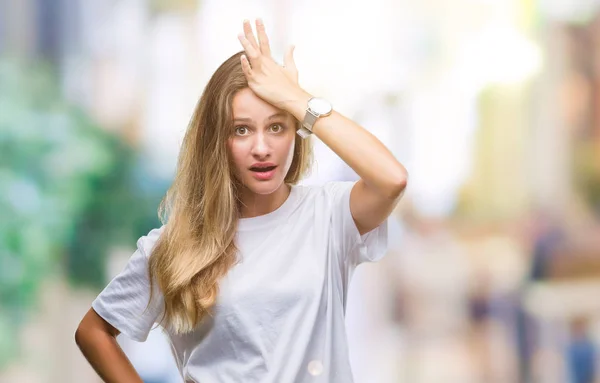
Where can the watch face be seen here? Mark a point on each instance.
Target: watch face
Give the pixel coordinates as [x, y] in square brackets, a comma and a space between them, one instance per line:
[319, 105]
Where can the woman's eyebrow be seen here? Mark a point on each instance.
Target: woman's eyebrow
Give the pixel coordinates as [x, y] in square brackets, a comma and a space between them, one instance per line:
[272, 117]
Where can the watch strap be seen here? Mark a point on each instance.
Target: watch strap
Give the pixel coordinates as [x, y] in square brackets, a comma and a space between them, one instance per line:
[303, 132]
[309, 120]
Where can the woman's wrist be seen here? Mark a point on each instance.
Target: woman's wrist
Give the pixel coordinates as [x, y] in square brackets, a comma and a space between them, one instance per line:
[297, 103]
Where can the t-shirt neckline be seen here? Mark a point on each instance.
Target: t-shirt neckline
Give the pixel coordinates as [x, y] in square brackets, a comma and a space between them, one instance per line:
[261, 221]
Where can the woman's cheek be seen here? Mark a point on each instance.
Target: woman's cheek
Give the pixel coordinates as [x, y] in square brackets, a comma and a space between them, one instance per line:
[236, 152]
[290, 156]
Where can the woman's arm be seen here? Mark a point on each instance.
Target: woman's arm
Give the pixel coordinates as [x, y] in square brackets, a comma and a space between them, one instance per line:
[383, 178]
[96, 339]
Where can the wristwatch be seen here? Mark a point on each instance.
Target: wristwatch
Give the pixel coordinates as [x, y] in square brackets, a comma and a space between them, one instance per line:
[317, 107]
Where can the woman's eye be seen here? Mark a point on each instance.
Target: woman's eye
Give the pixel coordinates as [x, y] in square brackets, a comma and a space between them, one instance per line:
[241, 130]
[277, 128]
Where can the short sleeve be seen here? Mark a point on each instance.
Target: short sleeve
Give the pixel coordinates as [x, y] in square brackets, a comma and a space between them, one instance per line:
[123, 301]
[371, 246]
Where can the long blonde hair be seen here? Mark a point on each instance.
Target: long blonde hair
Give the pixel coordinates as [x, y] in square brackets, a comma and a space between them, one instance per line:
[200, 211]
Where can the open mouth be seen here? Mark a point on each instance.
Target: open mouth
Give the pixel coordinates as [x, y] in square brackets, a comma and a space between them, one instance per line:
[263, 170]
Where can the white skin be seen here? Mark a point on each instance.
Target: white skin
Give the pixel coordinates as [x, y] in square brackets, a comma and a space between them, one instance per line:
[262, 133]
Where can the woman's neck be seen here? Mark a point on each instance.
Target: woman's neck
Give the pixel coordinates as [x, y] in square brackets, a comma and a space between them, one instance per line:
[254, 205]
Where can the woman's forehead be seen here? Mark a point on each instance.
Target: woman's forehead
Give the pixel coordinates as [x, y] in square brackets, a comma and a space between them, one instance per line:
[246, 104]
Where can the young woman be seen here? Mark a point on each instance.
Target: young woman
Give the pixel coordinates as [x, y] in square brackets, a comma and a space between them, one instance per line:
[249, 274]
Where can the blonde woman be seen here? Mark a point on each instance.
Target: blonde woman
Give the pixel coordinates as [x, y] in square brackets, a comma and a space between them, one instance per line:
[249, 274]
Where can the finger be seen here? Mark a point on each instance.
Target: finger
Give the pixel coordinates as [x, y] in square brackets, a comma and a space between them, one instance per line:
[288, 59]
[263, 39]
[246, 68]
[249, 34]
[252, 53]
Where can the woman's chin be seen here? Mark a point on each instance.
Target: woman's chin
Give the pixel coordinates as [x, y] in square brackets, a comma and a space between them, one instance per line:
[263, 187]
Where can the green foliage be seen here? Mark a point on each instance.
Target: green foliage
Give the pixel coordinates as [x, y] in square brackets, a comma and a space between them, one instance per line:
[587, 173]
[68, 193]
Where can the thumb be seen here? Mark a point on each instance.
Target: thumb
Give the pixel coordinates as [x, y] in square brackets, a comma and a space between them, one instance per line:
[288, 59]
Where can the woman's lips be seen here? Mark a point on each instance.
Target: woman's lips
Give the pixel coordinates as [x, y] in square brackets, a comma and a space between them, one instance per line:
[264, 175]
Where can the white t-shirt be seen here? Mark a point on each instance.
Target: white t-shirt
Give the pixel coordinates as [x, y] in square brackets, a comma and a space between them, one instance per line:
[279, 316]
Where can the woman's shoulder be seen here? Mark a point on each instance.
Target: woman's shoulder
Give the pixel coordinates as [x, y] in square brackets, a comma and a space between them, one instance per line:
[321, 198]
[146, 243]
[329, 189]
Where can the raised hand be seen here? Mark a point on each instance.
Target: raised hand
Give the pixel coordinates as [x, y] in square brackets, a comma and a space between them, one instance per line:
[273, 83]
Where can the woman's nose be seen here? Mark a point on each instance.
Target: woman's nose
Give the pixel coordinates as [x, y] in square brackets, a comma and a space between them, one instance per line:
[260, 146]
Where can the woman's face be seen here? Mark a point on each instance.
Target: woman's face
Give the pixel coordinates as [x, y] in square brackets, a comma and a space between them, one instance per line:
[262, 142]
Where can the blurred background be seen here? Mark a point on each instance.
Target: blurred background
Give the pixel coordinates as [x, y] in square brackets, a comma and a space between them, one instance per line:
[493, 272]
